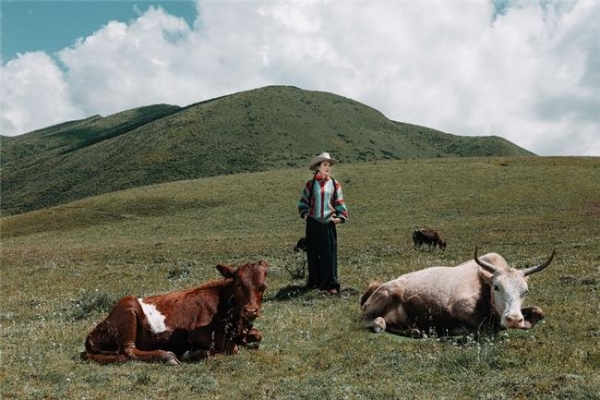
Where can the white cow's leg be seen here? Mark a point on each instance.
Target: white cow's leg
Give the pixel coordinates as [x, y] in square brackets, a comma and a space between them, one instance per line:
[376, 305]
[396, 321]
[378, 325]
[383, 309]
[532, 316]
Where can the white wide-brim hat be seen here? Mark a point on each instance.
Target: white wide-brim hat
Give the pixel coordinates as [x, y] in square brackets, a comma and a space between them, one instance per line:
[319, 159]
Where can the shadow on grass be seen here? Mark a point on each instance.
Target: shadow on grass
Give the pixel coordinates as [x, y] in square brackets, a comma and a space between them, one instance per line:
[290, 292]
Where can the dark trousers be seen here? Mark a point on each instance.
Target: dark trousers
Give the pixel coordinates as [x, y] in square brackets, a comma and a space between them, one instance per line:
[321, 249]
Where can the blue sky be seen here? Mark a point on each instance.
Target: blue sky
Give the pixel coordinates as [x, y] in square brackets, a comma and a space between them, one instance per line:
[49, 25]
[524, 70]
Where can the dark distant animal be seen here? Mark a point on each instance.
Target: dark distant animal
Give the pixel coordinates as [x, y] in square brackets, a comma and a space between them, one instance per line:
[298, 270]
[300, 245]
[191, 324]
[483, 294]
[430, 237]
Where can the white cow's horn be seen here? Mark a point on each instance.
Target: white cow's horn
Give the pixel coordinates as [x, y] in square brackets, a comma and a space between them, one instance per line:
[483, 264]
[537, 268]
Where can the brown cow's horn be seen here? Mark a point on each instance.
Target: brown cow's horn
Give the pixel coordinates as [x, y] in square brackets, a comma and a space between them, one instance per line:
[485, 265]
[537, 268]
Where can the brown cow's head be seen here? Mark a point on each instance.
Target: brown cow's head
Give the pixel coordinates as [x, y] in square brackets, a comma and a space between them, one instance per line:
[249, 284]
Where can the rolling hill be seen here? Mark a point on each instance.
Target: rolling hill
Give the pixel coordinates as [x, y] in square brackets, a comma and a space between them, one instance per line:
[263, 129]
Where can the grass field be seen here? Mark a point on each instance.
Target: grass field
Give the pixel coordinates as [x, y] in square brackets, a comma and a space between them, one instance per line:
[64, 267]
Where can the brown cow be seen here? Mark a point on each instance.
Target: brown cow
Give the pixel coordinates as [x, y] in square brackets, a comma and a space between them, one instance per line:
[483, 294]
[191, 324]
[430, 237]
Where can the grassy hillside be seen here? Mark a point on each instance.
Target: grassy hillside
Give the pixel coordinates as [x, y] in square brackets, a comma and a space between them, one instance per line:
[70, 136]
[257, 130]
[64, 267]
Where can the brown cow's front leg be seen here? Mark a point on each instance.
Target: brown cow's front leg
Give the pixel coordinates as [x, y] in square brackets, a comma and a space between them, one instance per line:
[196, 355]
[200, 354]
[153, 356]
[205, 342]
[532, 316]
[252, 338]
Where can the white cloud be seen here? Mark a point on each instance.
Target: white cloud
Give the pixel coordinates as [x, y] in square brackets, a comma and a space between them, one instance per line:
[34, 95]
[526, 71]
[123, 66]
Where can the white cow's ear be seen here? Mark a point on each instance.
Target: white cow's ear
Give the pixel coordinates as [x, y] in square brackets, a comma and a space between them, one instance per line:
[485, 275]
[226, 270]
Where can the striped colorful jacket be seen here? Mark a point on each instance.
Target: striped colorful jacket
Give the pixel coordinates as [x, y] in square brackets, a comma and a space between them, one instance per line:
[323, 207]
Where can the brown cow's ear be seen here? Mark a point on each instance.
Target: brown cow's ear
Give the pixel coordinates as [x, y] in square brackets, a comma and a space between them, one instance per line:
[264, 264]
[226, 270]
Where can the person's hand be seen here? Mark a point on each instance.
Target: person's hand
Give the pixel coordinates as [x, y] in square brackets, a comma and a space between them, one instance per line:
[337, 221]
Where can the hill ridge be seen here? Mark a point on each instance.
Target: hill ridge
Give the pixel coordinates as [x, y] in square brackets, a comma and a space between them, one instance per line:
[255, 130]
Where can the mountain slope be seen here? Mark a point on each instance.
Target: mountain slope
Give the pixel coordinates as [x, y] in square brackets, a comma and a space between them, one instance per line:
[268, 128]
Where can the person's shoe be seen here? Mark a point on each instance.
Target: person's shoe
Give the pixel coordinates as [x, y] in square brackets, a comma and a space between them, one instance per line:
[332, 291]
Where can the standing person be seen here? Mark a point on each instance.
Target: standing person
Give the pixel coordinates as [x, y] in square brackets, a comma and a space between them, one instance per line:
[322, 206]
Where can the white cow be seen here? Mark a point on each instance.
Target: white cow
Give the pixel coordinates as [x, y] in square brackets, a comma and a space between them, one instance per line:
[483, 294]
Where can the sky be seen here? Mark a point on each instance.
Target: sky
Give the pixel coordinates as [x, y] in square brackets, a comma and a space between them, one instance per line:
[524, 70]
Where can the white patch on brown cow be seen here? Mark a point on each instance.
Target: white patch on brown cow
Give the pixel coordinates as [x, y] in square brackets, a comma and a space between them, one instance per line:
[155, 319]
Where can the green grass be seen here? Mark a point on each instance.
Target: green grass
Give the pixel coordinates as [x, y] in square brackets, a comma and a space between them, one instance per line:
[63, 268]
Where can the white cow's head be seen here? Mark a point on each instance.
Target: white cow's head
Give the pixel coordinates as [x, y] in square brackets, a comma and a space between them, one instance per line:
[508, 289]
